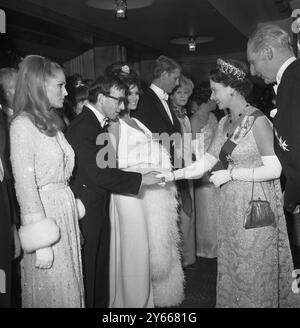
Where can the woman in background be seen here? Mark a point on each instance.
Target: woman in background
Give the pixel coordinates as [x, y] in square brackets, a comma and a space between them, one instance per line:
[42, 162]
[179, 98]
[207, 196]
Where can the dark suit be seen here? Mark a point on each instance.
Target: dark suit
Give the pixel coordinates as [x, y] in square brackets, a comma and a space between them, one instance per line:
[93, 186]
[287, 132]
[6, 255]
[151, 112]
[287, 148]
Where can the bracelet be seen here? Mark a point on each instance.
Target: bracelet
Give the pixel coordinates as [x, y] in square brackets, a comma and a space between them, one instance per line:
[173, 176]
[230, 173]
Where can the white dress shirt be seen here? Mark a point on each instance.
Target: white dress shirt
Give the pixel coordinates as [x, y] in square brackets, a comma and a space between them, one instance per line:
[100, 117]
[1, 171]
[163, 96]
[280, 72]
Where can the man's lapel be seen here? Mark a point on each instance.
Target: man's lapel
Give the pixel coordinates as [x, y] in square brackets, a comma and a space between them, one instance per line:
[160, 107]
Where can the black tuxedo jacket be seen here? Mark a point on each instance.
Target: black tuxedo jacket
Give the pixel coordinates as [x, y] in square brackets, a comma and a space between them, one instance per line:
[151, 112]
[287, 132]
[90, 183]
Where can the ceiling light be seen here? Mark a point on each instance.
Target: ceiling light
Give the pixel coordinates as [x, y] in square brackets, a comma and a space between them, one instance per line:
[121, 7]
[192, 41]
[192, 44]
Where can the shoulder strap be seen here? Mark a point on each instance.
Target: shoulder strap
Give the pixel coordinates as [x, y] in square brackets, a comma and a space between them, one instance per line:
[235, 138]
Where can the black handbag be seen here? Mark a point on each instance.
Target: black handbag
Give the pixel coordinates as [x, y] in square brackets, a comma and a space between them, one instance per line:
[259, 213]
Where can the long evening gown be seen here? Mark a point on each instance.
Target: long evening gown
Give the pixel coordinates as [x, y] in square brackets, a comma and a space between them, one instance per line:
[145, 267]
[42, 166]
[207, 198]
[254, 265]
[187, 212]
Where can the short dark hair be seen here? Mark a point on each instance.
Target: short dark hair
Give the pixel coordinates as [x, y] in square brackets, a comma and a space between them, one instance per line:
[81, 93]
[201, 93]
[164, 64]
[228, 77]
[102, 85]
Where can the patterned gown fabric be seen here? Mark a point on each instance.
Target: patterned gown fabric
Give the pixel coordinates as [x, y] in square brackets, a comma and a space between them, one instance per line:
[42, 166]
[254, 266]
[207, 200]
[145, 267]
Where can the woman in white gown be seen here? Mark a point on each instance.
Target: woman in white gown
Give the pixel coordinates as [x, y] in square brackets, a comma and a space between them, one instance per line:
[145, 266]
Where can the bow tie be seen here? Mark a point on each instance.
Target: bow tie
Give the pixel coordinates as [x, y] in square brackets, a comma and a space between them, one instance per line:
[165, 96]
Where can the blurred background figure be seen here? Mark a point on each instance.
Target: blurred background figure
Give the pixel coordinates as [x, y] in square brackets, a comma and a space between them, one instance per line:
[204, 125]
[8, 79]
[178, 101]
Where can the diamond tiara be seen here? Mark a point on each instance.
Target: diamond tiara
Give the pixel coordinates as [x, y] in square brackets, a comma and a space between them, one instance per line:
[227, 68]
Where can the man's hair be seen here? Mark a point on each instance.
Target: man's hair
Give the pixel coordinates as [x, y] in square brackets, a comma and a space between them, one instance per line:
[269, 35]
[102, 85]
[164, 64]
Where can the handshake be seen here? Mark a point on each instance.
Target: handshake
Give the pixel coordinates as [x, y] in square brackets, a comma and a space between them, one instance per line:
[218, 178]
[156, 177]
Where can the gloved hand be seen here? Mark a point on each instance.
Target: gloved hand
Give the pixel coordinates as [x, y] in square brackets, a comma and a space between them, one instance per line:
[220, 177]
[44, 258]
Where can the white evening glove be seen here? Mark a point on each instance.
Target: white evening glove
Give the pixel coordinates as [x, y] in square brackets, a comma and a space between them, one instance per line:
[44, 258]
[220, 177]
[193, 171]
[271, 169]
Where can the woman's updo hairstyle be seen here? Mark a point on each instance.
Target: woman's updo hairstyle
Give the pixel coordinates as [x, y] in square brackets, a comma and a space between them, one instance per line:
[233, 73]
[128, 76]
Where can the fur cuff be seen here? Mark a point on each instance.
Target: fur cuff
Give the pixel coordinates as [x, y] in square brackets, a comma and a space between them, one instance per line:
[40, 234]
[80, 208]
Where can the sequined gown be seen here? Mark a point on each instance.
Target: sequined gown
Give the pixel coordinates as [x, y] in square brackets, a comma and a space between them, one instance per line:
[254, 266]
[42, 166]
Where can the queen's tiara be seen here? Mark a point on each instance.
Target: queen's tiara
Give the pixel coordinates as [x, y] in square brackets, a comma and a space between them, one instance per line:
[228, 68]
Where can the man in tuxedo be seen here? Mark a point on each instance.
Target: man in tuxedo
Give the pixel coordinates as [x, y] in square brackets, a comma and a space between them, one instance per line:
[153, 109]
[94, 181]
[271, 57]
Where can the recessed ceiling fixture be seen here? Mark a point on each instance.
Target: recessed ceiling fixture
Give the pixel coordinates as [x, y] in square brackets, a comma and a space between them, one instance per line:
[192, 41]
[110, 4]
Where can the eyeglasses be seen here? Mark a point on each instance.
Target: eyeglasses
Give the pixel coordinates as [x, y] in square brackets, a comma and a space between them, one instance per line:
[120, 100]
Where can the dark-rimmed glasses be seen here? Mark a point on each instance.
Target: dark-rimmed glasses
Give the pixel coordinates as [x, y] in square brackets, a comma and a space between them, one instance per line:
[120, 100]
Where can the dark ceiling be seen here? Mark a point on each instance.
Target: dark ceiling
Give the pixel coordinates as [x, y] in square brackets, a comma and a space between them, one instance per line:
[63, 29]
